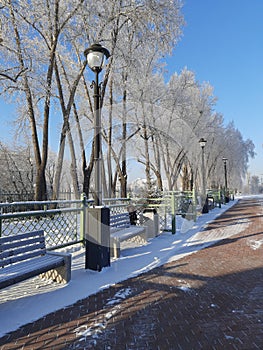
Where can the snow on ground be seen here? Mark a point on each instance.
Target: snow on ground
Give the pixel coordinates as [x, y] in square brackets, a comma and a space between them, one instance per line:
[32, 299]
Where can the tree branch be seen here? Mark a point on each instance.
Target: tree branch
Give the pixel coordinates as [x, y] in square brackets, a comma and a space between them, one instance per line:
[14, 80]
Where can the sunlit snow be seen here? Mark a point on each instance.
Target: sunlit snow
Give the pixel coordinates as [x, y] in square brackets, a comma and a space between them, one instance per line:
[32, 299]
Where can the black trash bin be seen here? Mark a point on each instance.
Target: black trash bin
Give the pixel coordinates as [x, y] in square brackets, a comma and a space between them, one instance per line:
[132, 214]
[97, 238]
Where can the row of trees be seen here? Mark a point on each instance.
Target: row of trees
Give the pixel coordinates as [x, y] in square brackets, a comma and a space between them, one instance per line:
[145, 118]
[253, 184]
[18, 174]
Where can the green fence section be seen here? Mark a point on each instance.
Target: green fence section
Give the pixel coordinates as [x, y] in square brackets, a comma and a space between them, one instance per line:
[215, 197]
[168, 206]
[64, 221]
[62, 225]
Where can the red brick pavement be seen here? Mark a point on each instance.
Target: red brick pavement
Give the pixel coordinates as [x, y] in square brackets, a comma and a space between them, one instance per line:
[212, 299]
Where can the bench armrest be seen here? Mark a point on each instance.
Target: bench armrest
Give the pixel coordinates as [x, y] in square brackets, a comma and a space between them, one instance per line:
[65, 271]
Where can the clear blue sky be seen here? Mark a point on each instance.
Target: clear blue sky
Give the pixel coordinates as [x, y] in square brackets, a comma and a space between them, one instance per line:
[223, 44]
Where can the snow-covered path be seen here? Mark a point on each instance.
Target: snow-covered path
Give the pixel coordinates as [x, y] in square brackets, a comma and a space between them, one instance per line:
[32, 299]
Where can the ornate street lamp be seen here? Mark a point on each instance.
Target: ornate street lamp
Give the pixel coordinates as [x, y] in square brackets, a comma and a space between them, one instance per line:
[202, 143]
[96, 55]
[97, 237]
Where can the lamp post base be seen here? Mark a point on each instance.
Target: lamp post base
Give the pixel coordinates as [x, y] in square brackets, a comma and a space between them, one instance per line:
[205, 209]
[97, 238]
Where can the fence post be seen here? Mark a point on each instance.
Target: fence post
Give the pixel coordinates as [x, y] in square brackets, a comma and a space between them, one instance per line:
[219, 197]
[83, 216]
[173, 211]
[194, 203]
[165, 213]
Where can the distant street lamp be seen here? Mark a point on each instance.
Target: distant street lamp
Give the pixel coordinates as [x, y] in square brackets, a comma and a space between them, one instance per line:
[226, 186]
[202, 143]
[96, 55]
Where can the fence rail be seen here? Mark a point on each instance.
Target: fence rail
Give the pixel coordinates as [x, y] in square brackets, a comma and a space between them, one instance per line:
[64, 221]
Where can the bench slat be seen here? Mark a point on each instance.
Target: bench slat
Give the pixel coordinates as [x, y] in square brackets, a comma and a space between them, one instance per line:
[16, 251]
[30, 268]
[120, 220]
[22, 243]
[21, 247]
[25, 235]
[19, 258]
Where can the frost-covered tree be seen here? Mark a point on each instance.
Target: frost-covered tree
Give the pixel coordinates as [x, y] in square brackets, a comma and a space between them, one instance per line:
[140, 34]
[17, 173]
[37, 32]
[159, 123]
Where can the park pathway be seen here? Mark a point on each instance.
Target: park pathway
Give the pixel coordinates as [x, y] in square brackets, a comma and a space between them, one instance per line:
[212, 299]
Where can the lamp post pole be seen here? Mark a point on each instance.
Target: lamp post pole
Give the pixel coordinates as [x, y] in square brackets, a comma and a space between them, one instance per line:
[202, 143]
[95, 57]
[226, 185]
[97, 141]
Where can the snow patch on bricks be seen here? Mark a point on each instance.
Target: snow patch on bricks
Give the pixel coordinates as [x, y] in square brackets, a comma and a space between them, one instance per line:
[255, 244]
[100, 324]
[119, 296]
[185, 286]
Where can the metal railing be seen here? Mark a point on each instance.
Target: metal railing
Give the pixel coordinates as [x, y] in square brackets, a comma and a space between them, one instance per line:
[64, 221]
[60, 220]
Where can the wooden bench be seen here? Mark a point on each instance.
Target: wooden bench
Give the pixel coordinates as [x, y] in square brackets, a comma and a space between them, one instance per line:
[24, 256]
[121, 230]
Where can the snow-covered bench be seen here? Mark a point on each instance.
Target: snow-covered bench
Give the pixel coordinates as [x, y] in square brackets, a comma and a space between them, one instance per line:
[122, 230]
[24, 256]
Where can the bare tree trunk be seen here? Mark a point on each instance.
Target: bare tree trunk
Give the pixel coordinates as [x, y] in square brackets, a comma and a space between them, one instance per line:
[73, 168]
[147, 159]
[109, 141]
[40, 189]
[105, 191]
[124, 174]
[87, 171]
[66, 130]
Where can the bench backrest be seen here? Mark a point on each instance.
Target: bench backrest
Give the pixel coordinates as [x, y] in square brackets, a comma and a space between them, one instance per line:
[21, 247]
[121, 220]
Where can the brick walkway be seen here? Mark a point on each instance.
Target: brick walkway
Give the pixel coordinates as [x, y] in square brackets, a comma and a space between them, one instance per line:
[212, 299]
